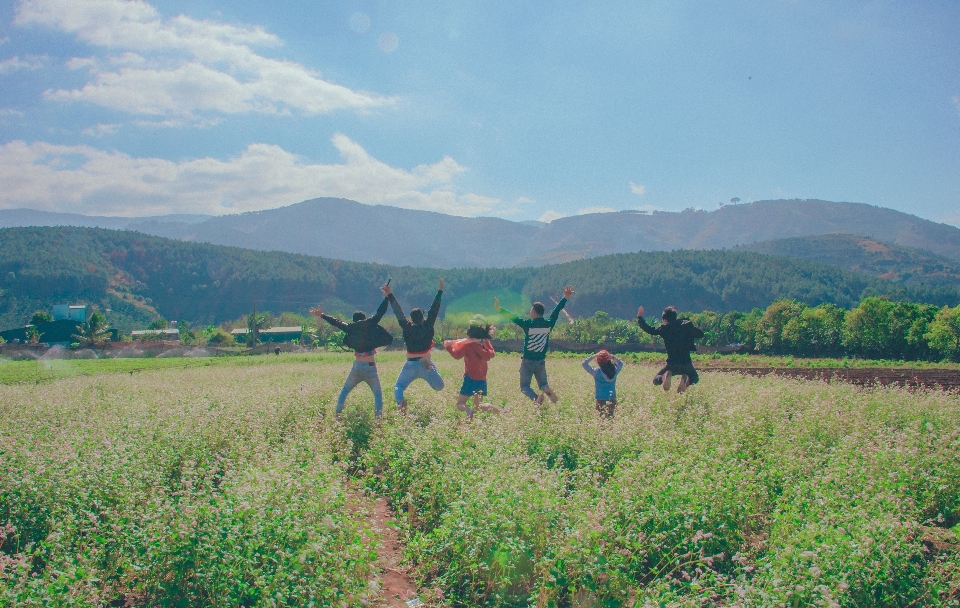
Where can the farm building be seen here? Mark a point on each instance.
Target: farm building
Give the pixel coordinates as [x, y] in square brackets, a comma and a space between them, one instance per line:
[274, 334]
[61, 331]
[167, 335]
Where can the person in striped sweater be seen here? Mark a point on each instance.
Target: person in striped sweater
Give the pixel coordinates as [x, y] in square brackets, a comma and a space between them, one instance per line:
[536, 341]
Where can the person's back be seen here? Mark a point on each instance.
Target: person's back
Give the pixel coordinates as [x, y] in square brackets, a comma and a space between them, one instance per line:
[678, 338]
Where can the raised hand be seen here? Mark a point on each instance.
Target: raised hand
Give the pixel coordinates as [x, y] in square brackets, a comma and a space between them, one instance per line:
[568, 291]
[640, 311]
[316, 311]
[386, 290]
[441, 283]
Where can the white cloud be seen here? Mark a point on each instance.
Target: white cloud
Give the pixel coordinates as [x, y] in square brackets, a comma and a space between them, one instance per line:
[587, 210]
[522, 200]
[29, 62]
[638, 189]
[79, 63]
[549, 216]
[87, 180]
[189, 66]
[100, 130]
[10, 112]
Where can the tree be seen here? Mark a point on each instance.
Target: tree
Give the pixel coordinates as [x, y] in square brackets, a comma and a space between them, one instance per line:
[40, 317]
[158, 324]
[218, 337]
[256, 322]
[775, 318]
[33, 334]
[94, 331]
[943, 334]
[816, 331]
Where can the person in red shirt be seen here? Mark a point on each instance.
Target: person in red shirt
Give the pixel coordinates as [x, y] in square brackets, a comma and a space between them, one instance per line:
[475, 350]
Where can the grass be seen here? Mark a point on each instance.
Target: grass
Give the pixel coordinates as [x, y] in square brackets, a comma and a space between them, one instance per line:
[225, 483]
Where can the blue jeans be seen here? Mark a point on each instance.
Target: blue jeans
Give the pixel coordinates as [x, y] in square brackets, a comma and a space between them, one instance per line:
[529, 370]
[412, 370]
[362, 372]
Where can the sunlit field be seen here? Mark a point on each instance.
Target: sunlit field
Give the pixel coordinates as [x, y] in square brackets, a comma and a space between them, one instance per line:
[229, 482]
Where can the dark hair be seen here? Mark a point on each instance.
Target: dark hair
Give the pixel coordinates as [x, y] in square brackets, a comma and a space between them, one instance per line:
[478, 332]
[416, 315]
[538, 306]
[608, 368]
[359, 316]
[669, 314]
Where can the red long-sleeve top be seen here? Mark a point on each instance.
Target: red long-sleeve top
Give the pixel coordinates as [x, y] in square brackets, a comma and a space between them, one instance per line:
[474, 354]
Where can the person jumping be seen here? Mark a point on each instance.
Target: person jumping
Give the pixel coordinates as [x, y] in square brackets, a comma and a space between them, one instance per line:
[678, 337]
[364, 336]
[536, 340]
[418, 338]
[475, 350]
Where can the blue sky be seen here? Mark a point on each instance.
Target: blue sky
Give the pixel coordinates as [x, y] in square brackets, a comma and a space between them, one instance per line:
[515, 109]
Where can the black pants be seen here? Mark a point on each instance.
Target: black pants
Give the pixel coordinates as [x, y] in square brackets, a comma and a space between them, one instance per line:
[677, 369]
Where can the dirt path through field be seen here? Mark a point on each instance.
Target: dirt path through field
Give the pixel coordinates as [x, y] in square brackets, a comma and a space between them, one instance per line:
[396, 585]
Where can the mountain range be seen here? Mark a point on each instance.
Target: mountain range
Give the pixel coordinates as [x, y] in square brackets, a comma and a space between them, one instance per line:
[139, 278]
[347, 230]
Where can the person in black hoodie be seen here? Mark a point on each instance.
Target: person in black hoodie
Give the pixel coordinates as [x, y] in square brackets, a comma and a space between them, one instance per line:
[364, 336]
[418, 338]
[678, 337]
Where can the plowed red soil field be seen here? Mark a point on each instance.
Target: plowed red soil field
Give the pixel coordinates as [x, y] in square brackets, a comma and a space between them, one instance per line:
[944, 379]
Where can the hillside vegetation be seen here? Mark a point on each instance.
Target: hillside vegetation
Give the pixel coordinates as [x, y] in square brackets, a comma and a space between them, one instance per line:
[139, 278]
[866, 255]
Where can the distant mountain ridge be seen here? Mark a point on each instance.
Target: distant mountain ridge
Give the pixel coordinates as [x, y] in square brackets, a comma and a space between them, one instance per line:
[347, 230]
[867, 256]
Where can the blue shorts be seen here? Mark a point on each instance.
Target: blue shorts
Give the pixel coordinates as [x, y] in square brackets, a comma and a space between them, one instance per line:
[471, 386]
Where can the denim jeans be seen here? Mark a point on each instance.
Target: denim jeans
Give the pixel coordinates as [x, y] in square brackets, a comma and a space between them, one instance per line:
[412, 370]
[362, 372]
[529, 370]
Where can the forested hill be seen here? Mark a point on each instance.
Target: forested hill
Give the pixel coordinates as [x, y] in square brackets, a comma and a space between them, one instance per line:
[140, 277]
[868, 256]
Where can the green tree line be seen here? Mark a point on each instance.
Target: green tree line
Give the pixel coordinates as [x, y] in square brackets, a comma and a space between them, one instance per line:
[141, 278]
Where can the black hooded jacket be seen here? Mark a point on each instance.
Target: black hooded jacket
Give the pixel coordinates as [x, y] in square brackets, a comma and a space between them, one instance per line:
[678, 337]
[417, 336]
[366, 335]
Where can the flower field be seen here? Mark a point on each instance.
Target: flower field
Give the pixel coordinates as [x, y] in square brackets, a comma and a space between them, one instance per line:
[229, 484]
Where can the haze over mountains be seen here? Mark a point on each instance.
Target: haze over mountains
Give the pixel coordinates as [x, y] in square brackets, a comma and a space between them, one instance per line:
[347, 230]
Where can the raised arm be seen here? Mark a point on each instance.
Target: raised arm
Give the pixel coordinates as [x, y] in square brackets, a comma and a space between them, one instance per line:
[397, 310]
[586, 364]
[435, 307]
[506, 313]
[653, 331]
[334, 321]
[382, 310]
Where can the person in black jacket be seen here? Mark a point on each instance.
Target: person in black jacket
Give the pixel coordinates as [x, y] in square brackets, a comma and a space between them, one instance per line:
[418, 338]
[678, 337]
[364, 336]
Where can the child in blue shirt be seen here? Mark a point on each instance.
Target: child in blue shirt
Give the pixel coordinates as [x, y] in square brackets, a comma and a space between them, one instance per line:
[605, 380]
